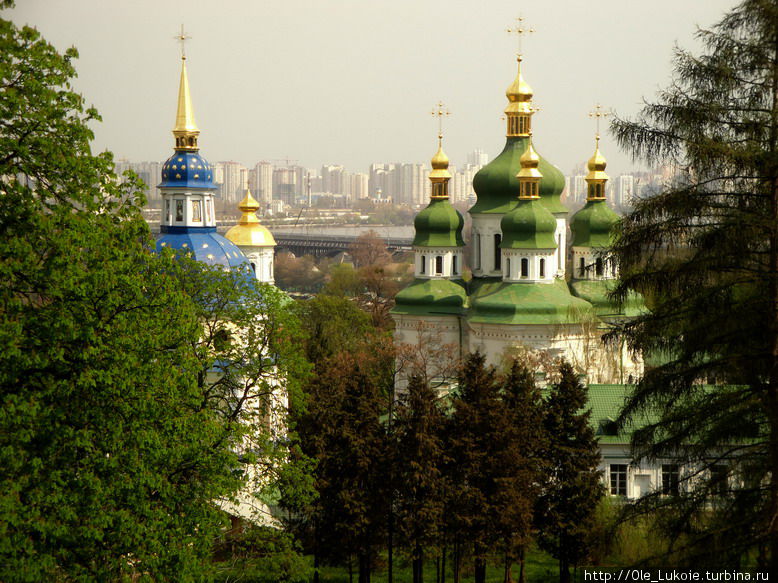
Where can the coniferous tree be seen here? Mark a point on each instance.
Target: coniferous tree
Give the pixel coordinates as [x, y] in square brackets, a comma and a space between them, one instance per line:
[417, 463]
[573, 486]
[704, 252]
[471, 432]
[518, 464]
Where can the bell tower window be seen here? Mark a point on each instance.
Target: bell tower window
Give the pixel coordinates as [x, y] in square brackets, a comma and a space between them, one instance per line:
[524, 267]
[497, 253]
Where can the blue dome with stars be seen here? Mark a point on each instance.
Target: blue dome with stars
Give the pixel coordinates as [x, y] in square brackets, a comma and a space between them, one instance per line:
[205, 245]
[186, 169]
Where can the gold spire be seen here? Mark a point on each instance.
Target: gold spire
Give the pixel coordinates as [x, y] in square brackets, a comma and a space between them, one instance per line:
[185, 130]
[249, 232]
[596, 178]
[529, 176]
[440, 174]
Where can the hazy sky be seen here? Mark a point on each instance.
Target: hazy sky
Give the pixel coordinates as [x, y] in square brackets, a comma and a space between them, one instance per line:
[353, 81]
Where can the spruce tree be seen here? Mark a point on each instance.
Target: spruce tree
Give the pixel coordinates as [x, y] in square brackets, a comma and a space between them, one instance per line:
[573, 486]
[704, 252]
[417, 464]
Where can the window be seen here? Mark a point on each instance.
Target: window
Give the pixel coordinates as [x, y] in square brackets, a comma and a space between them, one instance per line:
[719, 484]
[497, 252]
[581, 267]
[507, 267]
[253, 268]
[208, 205]
[525, 267]
[670, 479]
[439, 265]
[197, 215]
[618, 476]
[478, 251]
[542, 268]
[423, 264]
[179, 211]
[167, 211]
[598, 267]
[454, 266]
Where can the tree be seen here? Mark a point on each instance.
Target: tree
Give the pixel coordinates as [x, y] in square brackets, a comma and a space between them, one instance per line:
[115, 448]
[417, 461]
[519, 465]
[471, 434]
[568, 504]
[369, 249]
[704, 251]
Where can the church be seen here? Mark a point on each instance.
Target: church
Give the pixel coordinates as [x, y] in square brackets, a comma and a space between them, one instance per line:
[527, 291]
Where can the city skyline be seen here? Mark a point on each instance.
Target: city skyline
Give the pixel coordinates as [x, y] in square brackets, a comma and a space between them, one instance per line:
[352, 83]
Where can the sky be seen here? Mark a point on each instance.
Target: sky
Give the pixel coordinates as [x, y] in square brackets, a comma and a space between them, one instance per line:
[353, 82]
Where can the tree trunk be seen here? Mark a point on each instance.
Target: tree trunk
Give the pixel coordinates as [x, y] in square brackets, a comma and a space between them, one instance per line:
[418, 565]
[390, 529]
[480, 570]
[437, 569]
[457, 561]
[564, 571]
[508, 577]
[315, 551]
[443, 565]
[521, 564]
[364, 568]
[350, 570]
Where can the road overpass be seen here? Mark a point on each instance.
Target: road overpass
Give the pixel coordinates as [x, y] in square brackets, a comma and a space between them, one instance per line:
[320, 245]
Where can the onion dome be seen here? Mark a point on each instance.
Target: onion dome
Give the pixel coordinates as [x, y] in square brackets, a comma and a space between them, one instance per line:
[187, 169]
[439, 224]
[592, 226]
[249, 232]
[205, 245]
[496, 183]
[529, 225]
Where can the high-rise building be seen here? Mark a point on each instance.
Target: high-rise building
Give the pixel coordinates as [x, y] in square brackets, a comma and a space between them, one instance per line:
[625, 189]
[477, 158]
[261, 180]
[232, 178]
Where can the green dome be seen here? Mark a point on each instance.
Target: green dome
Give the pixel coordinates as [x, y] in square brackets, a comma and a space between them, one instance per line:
[592, 226]
[497, 187]
[529, 225]
[439, 225]
[496, 302]
[431, 296]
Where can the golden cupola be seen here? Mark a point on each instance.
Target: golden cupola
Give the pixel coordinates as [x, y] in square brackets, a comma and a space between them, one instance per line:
[519, 110]
[529, 176]
[440, 175]
[249, 232]
[185, 130]
[596, 178]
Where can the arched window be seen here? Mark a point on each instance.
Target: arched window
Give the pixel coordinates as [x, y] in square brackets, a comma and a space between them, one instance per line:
[497, 252]
[598, 267]
[478, 251]
[524, 267]
[542, 268]
[454, 266]
[439, 265]
[253, 268]
[581, 267]
[423, 263]
[507, 267]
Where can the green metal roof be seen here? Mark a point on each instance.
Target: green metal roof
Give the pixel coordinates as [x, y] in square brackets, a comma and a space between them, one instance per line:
[494, 302]
[529, 225]
[439, 225]
[497, 187]
[592, 226]
[596, 293]
[432, 297]
[605, 403]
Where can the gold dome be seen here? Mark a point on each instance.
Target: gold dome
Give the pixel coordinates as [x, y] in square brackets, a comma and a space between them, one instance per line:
[529, 163]
[249, 232]
[440, 160]
[597, 164]
[519, 90]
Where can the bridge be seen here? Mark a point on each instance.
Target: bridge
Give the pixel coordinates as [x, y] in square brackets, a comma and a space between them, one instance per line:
[330, 245]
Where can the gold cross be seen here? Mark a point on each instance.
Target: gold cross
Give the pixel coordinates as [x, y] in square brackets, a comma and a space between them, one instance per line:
[182, 37]
[598, 114]
[519, 30]
[440, 111]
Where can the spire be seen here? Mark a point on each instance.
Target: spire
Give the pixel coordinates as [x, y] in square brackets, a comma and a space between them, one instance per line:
[519, 110]
[529, 176]
[440, 175]
[185, 130]
[249, 207]
[596, 178]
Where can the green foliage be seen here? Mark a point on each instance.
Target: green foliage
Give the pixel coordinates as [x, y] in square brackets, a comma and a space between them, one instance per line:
[705, 250]
[129, 381]
[567, 507]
